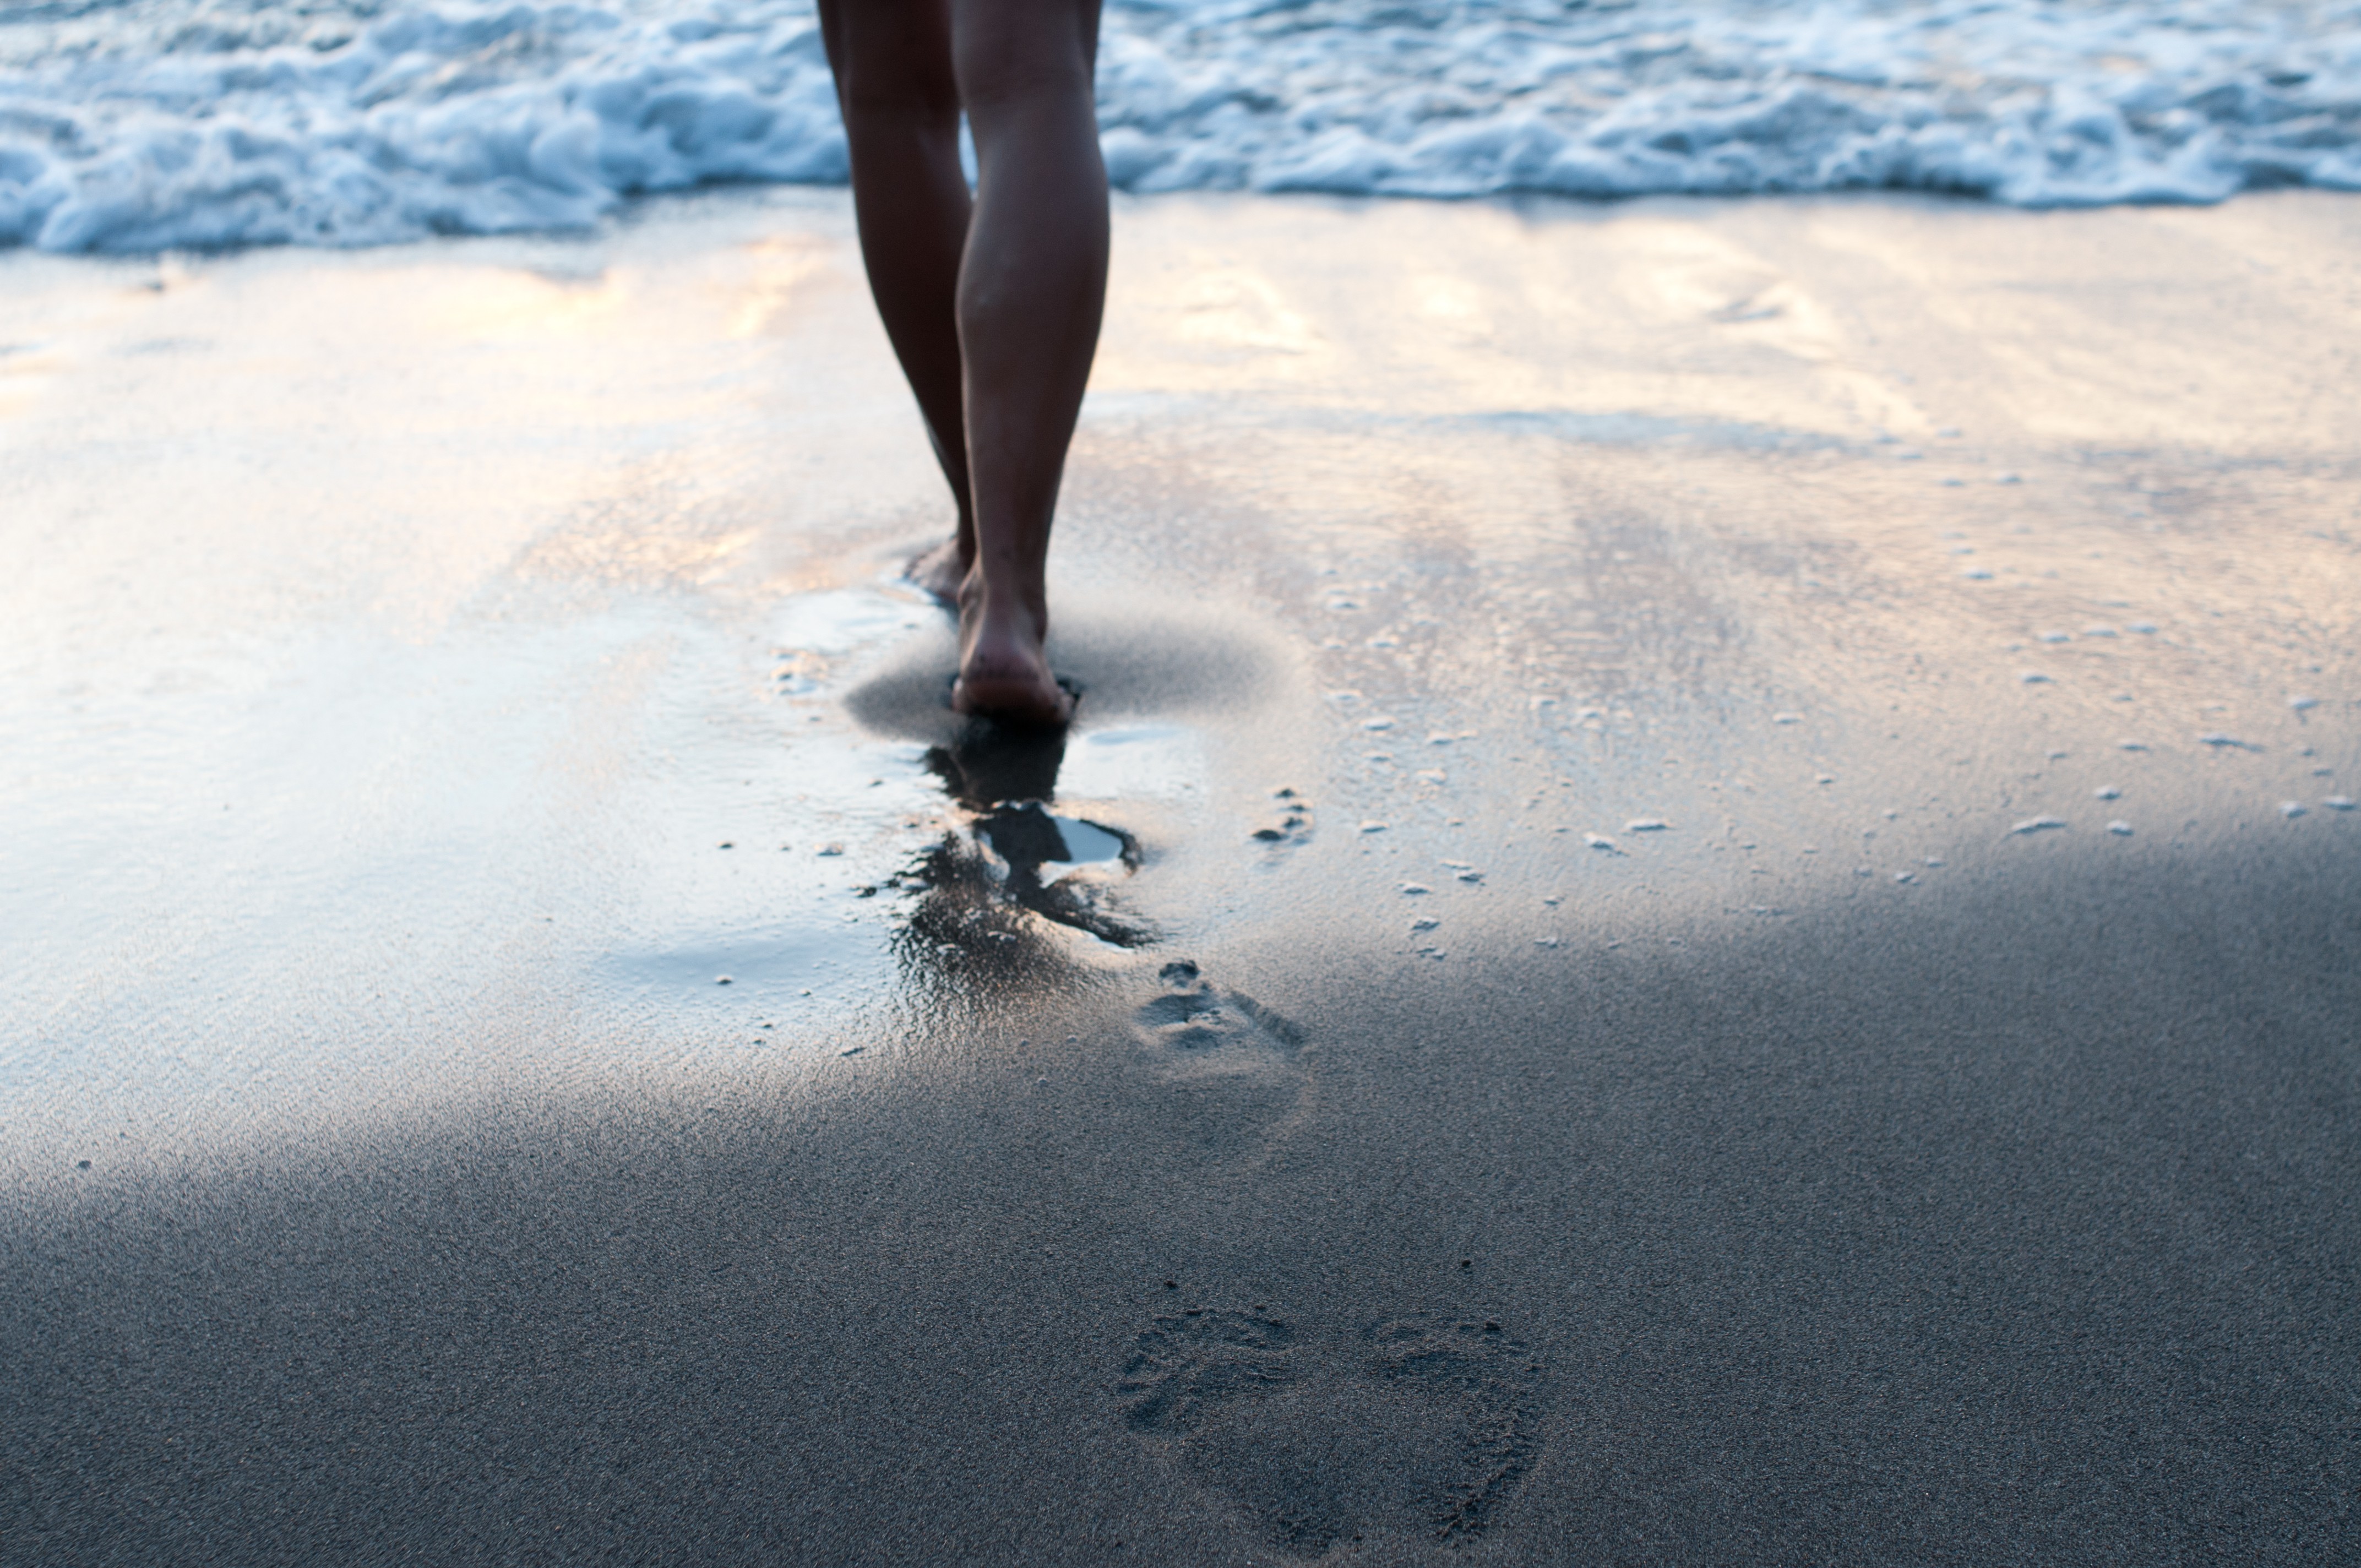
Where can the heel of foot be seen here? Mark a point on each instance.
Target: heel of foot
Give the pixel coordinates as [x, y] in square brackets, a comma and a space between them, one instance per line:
[1014, 698]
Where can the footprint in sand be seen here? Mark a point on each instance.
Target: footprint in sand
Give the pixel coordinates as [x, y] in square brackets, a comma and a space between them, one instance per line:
[1194, 1026]
[1231, 1070]
[1418, 1425]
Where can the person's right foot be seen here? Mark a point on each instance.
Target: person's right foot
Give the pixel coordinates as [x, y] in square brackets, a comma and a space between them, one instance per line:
[1003, 669]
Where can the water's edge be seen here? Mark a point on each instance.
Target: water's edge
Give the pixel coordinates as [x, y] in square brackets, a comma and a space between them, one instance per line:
[151, 124]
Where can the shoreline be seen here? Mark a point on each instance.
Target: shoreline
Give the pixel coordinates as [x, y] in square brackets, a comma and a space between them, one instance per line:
[438, 668]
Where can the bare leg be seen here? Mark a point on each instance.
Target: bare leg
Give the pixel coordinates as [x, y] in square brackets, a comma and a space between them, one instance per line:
[1031, 290]
[900, 98]
[993, 310]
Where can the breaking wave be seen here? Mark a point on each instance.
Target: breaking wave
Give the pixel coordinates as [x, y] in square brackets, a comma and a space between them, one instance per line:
[143, 125]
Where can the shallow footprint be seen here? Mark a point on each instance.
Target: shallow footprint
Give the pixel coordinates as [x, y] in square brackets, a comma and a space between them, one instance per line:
[1487, 1378]
[1230, 1071]
[1418, 1425]
[1196, 1027]
[1198, 1359]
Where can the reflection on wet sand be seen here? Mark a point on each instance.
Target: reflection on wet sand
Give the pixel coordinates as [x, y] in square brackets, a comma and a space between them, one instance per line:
[1011, 856]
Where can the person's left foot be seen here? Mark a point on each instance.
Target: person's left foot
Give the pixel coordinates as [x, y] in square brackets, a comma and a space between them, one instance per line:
[939, 571]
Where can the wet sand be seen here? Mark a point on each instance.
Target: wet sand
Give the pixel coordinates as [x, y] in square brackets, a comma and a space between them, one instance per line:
[1713, 915]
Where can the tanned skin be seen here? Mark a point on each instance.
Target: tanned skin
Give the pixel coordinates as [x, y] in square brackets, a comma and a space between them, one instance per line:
[992, 300]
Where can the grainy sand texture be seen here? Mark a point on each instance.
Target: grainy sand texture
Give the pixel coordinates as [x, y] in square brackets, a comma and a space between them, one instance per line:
[1703, 909]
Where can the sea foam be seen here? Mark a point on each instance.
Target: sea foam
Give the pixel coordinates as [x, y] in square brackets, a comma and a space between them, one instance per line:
[150, 124]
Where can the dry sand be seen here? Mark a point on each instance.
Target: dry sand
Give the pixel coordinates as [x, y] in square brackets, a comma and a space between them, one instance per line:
[429, 672]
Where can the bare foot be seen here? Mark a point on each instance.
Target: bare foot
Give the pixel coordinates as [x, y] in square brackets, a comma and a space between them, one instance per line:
[1004, 673]
[939, 571]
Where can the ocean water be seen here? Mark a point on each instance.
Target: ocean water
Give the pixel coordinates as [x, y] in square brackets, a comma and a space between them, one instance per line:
[140, 125]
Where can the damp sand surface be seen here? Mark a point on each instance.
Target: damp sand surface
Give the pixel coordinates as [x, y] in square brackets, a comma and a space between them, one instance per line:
[1702, 909]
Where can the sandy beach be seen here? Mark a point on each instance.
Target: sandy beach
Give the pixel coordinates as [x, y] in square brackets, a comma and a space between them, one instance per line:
[1704, 907]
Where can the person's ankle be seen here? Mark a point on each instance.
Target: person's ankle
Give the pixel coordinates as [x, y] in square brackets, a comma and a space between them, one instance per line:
[999, 604]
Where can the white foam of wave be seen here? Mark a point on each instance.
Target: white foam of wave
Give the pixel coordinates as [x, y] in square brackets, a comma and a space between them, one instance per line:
[200, 125]
[2064, 102]
[136, 125]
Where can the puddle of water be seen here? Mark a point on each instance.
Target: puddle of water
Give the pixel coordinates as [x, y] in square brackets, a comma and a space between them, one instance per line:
[1042, 846]
[1024, 857]
[1087, 844]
